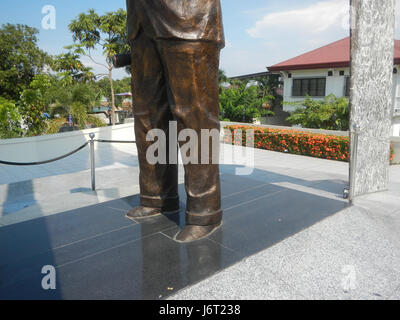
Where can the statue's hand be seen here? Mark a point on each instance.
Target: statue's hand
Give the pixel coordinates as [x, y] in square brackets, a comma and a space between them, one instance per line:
[121, 60]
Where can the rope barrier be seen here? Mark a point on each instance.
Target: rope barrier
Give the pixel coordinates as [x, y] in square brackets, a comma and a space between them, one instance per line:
[44, 162]
[61, 157]
[114, 141]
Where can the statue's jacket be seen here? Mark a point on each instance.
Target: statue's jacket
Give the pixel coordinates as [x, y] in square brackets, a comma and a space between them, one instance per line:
[176, 19]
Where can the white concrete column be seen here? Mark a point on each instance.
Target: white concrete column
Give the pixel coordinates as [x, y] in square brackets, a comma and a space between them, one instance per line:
[372, 46]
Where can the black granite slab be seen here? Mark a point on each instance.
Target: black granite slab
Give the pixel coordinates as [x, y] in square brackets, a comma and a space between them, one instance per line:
[265, 222]
[99, 254]
[25, 239]
[150, 268]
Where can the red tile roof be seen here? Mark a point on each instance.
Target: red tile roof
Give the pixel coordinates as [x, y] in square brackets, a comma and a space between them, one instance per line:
[333, 55]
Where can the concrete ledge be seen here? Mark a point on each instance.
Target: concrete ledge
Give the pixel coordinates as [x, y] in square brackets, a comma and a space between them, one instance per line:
[49, 146]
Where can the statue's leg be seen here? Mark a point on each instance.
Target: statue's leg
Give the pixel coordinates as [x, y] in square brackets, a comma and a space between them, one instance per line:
[158, 182]
[192, 69]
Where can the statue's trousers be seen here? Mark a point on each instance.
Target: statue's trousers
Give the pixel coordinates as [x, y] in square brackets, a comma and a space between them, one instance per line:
[177, 80]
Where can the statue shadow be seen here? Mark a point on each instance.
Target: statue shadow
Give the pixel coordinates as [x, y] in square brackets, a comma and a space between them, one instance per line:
[100, 254]
[259, 211]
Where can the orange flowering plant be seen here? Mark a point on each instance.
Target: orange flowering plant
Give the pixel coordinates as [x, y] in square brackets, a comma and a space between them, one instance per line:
[295, 142]
[391, 153]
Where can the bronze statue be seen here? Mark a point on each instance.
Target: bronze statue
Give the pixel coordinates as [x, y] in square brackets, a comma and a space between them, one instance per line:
[175, 48]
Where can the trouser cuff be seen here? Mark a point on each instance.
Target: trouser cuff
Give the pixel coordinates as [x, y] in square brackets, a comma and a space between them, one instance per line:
[203, 219]
[165, 204]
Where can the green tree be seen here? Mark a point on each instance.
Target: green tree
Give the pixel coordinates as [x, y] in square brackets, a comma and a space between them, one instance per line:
[120, 86]
[267, 89]
[85, 94]
[331, 113]
[108, 32]
[76, 99]
[242, 102]
[79, 114]
[20, 57]
[70, 69]
[34, 102]
[9, 120]
[222, 76]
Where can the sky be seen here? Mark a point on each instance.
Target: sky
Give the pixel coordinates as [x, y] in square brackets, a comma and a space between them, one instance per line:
[258, 33]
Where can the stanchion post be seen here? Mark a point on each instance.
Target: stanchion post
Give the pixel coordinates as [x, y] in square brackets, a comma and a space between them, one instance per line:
[92, 161]
[353, 161]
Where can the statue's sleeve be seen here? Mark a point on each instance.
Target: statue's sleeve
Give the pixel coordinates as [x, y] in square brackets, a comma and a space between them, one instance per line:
[130, 17]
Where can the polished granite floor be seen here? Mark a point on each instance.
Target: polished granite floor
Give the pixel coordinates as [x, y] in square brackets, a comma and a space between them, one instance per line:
[99, 254]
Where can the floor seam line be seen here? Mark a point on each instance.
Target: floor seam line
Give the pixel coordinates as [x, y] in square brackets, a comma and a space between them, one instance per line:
[66, 245]
[103, 251]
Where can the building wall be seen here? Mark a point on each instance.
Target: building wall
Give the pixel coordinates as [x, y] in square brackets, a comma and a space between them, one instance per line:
[336, 85]
[396, 102]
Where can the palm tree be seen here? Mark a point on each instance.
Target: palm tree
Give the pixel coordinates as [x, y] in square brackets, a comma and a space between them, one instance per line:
[222, 76]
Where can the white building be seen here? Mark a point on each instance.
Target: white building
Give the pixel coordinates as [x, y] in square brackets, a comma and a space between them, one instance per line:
[326, 71]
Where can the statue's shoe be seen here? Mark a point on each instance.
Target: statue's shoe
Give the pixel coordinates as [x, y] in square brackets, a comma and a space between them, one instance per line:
[142, 212]
[192, 233]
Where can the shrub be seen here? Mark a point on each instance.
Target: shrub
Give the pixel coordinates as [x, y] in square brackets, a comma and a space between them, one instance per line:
[297, 142]
[79, 113]
[93, 120]
[9, 119]
[54, 125]
[331, 113]
[391, 153]
[243, 103]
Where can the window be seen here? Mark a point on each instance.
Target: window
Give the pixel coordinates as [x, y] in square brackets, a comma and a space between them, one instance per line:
[341, 73]
[314, 87]
[330, 73]
[347, 87]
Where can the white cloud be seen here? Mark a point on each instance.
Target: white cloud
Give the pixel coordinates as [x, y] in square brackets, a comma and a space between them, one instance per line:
[239, 61]
[315, 19]
[285, 34]
[322, 18]
[280, 35]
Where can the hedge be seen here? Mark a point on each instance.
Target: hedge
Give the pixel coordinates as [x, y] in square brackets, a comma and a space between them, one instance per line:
[296, 142]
